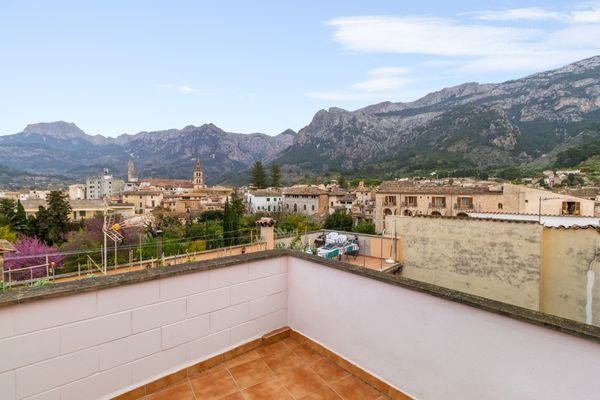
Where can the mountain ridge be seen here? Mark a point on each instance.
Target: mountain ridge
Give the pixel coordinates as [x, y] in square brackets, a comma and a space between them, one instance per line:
[471, 125]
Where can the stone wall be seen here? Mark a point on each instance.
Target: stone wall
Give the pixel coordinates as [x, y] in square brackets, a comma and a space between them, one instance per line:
[571, 274]
[495, 259]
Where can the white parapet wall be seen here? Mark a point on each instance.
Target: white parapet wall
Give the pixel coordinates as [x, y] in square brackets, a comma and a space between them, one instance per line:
[97, 344]
[434, 348]
[426, 342]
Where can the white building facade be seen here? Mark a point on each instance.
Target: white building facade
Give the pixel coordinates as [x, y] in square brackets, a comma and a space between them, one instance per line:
[98, 187]
[264, 201]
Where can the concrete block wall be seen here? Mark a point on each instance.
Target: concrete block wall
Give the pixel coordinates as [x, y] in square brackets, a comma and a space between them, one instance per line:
[434, 348]
[97, 344]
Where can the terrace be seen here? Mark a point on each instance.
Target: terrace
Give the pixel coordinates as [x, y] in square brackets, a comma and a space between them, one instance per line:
[341, 332]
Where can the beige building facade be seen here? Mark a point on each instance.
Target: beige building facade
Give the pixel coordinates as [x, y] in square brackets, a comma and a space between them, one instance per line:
[406, 199]
[144, 201]
[82, 209]
[305, 200]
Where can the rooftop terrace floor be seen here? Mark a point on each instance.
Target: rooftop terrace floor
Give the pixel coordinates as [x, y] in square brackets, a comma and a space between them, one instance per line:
[286, 369]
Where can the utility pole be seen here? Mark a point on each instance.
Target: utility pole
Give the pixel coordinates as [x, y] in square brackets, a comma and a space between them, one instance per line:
[159, 245]
[105, 248]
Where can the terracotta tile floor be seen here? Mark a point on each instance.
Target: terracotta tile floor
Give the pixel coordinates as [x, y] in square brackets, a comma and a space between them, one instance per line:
[283, 370]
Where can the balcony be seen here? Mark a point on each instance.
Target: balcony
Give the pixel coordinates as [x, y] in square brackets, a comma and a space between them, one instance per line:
[437, 205]
[409, 204]
[198, 328]
[464, 206]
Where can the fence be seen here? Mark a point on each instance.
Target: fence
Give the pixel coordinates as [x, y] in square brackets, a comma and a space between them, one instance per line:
[88, 263]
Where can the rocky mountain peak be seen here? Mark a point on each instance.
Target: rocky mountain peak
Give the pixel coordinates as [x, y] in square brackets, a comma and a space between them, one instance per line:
[57, 129]
[290, 132]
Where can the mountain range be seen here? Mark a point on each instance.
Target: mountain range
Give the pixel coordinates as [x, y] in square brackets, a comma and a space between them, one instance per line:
[526, 122]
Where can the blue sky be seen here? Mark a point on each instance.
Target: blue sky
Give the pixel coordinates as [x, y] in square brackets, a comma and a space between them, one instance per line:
[264, 66]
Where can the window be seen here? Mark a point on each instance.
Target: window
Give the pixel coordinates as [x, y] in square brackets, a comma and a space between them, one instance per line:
[500, 206]
[268, 199]
[438, 202]
[82, 213]
[305, 207]
[389, 201]
[332, 204]
[313, 207]
[269, 208]
[571, 208]
[465, 202]
[410, 201]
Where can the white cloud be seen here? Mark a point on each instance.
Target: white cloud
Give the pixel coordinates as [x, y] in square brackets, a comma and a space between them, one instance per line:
[186, 89]
[471, 46]
[413, 35]
[381, 84]
[483, 42]
[383, 81]
[514, 14]
[587, 16]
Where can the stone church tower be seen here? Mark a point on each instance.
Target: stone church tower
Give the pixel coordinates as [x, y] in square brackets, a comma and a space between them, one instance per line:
[198, 176]
[131, 172]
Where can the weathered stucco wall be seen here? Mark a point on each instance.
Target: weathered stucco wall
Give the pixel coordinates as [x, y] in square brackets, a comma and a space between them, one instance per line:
[571, 274]
[495, 259]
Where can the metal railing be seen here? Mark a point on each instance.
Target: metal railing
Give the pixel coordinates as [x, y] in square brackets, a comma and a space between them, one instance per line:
[10, 273]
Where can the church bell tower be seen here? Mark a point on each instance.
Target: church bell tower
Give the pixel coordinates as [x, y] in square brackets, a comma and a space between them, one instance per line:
[198, 175]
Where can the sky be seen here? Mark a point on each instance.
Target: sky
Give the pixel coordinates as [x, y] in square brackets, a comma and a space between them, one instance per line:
[116, 67]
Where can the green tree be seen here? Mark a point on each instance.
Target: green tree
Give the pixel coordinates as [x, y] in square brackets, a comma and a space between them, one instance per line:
[258, 176]
[275, 174]
[7, 209]
[13, 215]
[342, 182]
[20, 224]
[53, 222]
[232, 214]
[169, 224]
[339, 220]
[213, 233]
[297, 223]
[365, 227]
[211, 215]
[7, 234]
